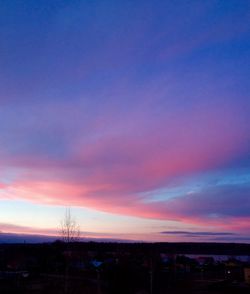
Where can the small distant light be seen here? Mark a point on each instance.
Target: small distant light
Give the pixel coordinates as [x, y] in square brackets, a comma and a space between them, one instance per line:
[229, 272]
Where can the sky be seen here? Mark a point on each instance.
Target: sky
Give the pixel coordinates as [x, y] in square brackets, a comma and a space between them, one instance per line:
[135, 114]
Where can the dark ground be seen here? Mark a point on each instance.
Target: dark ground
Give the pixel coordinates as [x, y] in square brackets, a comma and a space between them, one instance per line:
[115, 268]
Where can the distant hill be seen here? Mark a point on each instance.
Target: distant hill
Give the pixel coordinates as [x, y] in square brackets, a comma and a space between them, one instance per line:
[11, 238]
[116, 244]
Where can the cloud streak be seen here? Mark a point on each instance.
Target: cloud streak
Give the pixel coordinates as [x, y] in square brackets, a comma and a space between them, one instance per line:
[197, 234]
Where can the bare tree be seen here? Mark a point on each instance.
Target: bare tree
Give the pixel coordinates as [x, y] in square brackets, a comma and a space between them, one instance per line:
[70, 230]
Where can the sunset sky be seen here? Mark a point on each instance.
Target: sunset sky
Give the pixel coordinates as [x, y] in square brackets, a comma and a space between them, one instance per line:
[136, 114]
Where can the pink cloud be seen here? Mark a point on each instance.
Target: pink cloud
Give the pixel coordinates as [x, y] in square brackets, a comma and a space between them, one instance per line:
[7, 228]
[109, 167]
[17, 229]
[226, 208]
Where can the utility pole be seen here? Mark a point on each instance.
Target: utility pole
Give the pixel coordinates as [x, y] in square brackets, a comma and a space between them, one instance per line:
[151, 275]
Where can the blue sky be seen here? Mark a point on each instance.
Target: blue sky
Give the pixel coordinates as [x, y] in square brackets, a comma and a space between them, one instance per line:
[133, 113]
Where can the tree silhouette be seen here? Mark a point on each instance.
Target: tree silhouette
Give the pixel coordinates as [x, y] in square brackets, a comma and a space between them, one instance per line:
[70, 230]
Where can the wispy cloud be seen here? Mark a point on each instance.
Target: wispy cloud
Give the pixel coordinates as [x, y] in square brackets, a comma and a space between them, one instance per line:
[195, 234]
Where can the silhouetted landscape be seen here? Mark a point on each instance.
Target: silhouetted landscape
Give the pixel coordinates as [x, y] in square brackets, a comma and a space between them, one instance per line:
[129, 268]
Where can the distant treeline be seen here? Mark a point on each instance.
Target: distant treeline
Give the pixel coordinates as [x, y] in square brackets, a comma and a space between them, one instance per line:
[171, 248]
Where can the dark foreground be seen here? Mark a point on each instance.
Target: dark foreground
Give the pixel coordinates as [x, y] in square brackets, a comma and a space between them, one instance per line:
[102, 268]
